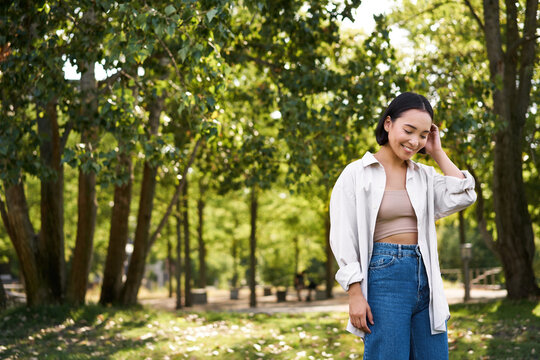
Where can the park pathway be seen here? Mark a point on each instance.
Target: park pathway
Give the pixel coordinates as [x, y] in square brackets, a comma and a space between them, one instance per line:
[218, 300]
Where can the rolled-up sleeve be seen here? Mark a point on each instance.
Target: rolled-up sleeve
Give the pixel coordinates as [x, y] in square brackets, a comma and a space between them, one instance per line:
[452, 194]
[344, 234]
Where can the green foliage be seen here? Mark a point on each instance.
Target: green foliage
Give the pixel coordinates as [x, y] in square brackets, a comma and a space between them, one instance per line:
[277, 268]
[282, 217]
[449, 244]
[128, 38]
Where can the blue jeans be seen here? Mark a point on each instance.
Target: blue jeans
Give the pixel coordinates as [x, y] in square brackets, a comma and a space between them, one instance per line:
[398, 294]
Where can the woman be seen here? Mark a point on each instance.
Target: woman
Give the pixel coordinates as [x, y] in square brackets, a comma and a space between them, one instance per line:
[382, 211]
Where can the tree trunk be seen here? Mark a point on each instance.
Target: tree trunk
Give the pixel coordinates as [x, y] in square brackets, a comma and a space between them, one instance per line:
[87, 202]
[464, 261]
[234, 253]
[329, 258]
[252, 249]
[21, 232]
[3, 296]
[169, 261]
[296, 255]
[511, 72]
[178, 265]
[515, 238]
[187, 248]
[51, 238]
[461, 226]
[118, 234]
[142, 232]
[202, 248]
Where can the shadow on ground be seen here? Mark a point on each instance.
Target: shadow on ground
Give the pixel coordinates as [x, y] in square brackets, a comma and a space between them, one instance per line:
[60, 332]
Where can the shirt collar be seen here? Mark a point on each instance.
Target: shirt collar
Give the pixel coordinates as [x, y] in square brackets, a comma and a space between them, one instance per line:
[368, 159]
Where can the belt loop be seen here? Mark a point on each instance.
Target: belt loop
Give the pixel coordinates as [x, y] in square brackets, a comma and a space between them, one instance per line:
[399, 250]
[418, 251]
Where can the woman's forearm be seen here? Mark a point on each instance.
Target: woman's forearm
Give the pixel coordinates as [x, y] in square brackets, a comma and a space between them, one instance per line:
[446, 165]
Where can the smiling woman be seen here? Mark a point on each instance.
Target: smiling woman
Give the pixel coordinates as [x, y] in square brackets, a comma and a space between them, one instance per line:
[408, 133]
[411, 109]
[382, 212]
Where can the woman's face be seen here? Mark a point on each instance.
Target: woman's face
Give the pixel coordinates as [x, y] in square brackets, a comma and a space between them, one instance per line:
[408, 133]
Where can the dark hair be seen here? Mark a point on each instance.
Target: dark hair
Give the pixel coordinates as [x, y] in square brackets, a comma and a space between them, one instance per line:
[405, 101]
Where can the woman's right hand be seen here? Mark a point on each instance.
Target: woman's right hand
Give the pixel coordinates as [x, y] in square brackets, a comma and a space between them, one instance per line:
[359, 310]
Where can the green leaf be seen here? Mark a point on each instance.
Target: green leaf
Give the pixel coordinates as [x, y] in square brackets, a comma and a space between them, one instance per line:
[183, 52]
[210, 101]
[160, 29]
[210, 15]
[170, 10]
[170, 29]
[46, 8]
[181, 108]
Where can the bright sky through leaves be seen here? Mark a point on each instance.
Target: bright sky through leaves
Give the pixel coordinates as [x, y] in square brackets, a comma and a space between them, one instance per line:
[363, 20]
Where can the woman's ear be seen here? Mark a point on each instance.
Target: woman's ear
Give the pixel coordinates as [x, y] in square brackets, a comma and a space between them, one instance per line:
[387, 123]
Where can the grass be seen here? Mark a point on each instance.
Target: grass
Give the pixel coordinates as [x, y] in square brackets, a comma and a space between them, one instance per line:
[494, 330]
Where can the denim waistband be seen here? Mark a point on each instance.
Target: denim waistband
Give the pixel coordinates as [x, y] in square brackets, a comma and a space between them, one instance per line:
[382, 248]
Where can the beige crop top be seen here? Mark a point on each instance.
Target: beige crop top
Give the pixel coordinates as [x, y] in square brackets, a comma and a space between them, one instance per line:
[396, 215]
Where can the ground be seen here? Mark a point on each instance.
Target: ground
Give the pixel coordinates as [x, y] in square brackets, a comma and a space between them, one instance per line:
[487, 328]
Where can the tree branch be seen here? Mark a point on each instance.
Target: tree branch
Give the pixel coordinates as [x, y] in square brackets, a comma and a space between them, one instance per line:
[276, 68]
[511, 57]
[474, 14]
[492, 31]
[176, 195]
[111, 79]
[134, 79]
[512, 33]
[5, 218]
[180, 78]
[526, 63]
[522, 41]
[65, 135]
[428, 10]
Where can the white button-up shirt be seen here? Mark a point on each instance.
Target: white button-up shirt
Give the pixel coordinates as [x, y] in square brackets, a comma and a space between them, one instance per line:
[354, 205]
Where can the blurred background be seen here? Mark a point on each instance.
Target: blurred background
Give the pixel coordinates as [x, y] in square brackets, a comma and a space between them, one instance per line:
[193, 144]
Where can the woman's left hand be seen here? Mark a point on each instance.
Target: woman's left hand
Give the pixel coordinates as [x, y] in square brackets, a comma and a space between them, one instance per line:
[433, 143]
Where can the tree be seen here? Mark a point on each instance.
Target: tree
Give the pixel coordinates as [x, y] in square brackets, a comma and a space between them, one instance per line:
[178, 263]
[201, 283]
[511, 68]
[87, 202]
[192, 56]
[485, 86]
[135, 271]
[119, 231]
[33, 90]
[3, 296]
[40, 109]
[249, 154]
